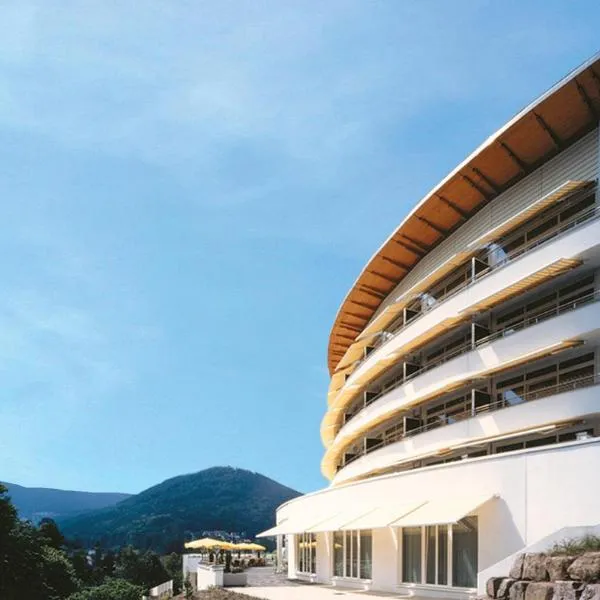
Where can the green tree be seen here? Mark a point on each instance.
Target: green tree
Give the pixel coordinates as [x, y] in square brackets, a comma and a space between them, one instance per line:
[111, 589]
[173, 566]
[58, 575]
[51, 533]
[188, 588]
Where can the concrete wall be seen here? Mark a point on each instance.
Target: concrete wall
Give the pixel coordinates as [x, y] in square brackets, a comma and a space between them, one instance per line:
[540, 491]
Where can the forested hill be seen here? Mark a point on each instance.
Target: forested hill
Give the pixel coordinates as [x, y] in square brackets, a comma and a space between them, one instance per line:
[219, 498]
[34, 503]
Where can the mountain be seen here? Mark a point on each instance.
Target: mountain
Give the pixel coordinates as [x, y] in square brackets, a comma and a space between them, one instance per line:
[163, 516]
[35, 503]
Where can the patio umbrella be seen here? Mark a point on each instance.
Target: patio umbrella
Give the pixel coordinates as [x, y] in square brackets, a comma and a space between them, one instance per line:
[257, 547]
[210, 544]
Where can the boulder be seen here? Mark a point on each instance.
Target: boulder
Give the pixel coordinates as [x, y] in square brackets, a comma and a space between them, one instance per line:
[492, 585]
[504, 588]
[517, 590]
[586, 567]
[516, 571]
[534, 567]
[539, 590]
[591, 592]
[567, 590]
[558, 567]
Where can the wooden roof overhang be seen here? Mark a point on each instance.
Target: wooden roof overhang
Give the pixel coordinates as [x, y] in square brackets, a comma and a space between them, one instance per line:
[553, 122]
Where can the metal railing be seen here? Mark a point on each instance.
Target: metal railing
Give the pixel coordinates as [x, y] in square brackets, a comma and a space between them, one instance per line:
[575, 221]
[552, 390]
[559, 309]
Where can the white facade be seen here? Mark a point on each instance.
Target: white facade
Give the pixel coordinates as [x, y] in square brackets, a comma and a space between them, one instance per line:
[468, 428]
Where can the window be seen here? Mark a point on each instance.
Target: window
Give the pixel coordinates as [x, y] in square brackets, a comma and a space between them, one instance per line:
[411, 554]
[353, 554]
[464, 553]
[425, 552]
[306, 549]
[338, 554]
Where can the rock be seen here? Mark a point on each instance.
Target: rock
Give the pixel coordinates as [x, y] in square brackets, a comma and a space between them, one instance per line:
[516, 571]
[539, 590]
[504, 588]
[591, 591]
[492, 585]
[517, 590]
[558, 566]
[586, 567]
[534, 567]
[567, 590]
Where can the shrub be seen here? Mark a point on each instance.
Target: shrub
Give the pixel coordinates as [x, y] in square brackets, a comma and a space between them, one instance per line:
[576, 546]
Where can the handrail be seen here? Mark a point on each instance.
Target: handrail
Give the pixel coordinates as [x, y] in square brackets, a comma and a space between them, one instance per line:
[552, 390]
[576, 220]
[558, 309]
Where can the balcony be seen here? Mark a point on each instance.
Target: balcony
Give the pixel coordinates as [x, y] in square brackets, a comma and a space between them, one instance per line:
[545, 258]
[546, 337]
[482, 265]
[536, 412]
[477, 340]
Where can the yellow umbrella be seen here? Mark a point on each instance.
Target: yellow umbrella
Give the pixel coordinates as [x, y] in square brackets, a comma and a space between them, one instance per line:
[254, 546]
[243, 546]
[210, 544]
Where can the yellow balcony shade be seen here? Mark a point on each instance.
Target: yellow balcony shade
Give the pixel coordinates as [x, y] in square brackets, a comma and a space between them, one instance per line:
[389, 314]
[548, 272]
[446, 509]
[354, 353]
[334, 453]
[338, 379]
[562, 192]
[392, 311]
[210, 544]
[382, 516]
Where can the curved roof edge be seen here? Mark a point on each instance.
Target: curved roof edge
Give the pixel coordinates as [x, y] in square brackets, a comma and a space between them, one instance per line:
[545, 127]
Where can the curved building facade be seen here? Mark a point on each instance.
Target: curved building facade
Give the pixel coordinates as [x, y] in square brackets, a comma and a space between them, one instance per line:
[463, 414]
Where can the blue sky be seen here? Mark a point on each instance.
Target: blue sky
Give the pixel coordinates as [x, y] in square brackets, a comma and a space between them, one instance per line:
[189, 189]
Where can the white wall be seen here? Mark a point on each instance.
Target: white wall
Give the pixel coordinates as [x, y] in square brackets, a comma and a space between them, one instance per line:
[385, 559]
[541, 490]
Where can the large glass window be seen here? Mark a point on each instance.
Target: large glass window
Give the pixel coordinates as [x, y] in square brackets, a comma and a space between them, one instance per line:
[366, 554]
[411, 554]
[306, 552]
[425, 552]
[338, 554]
[430, 553]
[353, 554]
[464, 553]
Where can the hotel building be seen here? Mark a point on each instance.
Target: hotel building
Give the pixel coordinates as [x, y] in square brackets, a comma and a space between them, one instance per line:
[463, 418]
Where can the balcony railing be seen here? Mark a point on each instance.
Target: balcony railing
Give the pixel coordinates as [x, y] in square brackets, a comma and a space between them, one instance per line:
[559, 309]
[575, 221]
[553, 390]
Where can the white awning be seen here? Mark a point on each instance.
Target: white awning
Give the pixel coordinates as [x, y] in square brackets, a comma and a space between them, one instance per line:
[382, 516]
[336, 521]
[441, 511]
[295, 524]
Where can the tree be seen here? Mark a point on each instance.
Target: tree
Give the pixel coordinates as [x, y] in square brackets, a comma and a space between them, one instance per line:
[50, 531]
[29, 567]
[173, 566]
[57, 573]
[111, 589]
[188, 588]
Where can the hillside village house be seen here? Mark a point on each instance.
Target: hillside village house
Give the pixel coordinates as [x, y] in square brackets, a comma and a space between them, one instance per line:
[463, 417]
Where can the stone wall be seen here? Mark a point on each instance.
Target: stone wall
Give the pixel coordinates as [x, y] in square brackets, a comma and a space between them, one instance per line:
[536, 576]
